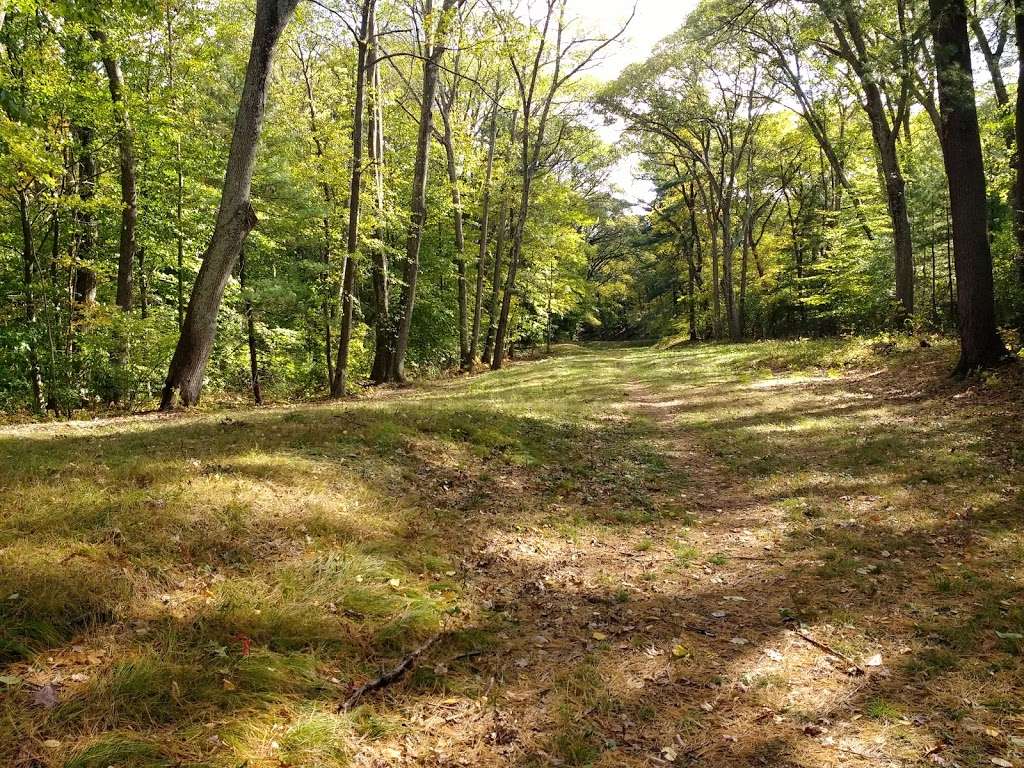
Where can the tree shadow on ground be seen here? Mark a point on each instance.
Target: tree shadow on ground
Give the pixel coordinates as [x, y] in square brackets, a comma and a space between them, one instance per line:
[617, 555]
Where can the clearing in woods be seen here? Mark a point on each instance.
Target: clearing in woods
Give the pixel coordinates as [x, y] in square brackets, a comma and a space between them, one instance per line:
[776, 554]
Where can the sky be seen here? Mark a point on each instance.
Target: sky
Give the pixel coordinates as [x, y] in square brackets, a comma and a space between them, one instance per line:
[654, 20]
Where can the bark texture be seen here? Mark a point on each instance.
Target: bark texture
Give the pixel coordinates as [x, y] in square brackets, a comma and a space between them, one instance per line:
[980, 345]
[432, 54]
[235, 217]
[126, 156]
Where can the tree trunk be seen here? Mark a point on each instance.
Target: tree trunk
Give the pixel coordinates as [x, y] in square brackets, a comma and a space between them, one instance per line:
[498, 354]
[235, 217]
[1018, 162]
[29, 268]
[129, 196]
[980, 345]
[383, 332]
[84, 288]
[896, 199]
[493, 306]
[485, 212]
[250, 327]
[366, 31]
[465, 363]
[418, 205]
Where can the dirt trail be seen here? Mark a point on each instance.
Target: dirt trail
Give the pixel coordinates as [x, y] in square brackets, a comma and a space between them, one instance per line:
[631, 648]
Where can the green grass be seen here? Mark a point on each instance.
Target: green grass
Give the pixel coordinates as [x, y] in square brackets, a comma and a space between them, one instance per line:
[240, 574]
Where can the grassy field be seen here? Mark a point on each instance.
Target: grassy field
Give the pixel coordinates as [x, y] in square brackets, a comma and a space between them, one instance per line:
[805, 554]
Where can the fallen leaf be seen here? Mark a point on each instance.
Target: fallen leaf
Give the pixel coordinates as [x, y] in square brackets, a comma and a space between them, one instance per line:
[46, 697]
[9, 680]
[599, 636]
[680, 651]
[1000, 762]
[874, 661]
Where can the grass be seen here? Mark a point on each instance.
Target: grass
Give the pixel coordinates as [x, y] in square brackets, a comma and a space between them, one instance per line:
[204, 589]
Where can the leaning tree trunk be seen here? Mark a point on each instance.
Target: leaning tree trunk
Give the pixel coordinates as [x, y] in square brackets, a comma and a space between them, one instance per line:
[960, 137]
[348, 283]
[235, 217]
[896, 199]
[129, 196]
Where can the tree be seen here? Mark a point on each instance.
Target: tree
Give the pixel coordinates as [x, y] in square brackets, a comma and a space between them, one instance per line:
[436, 29]
[235, 216]
[126, 152]
[980, 345]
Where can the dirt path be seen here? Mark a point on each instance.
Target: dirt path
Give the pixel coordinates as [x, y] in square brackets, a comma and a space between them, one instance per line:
[637, 646]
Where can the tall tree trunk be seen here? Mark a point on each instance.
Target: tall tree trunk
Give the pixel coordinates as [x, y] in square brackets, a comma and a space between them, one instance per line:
[366, 31]
[84, 288]
[845, 20]
[29, 269]
[481, 256]
[896, 200]
[327, 308]
[448, 142]
[179, 170]
[434, 50]
[493, 305]
[980, 345]
[126, 154]
[383, 332]
[518, 227]
[235, 217]
[1018, 161]
[250, 327]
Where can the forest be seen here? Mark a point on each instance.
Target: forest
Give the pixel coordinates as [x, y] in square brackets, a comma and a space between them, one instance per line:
[385, 191]
[511, 383]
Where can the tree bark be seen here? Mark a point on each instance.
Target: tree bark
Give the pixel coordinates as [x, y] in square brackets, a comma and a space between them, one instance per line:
[250, 327]
[235, 217]
[29, 269]
[366, 31]
[980, 345]
[1018, 161]
[493, 306]
[327, 308]
[383, 332]
[126, 154]
[485, 212]
[84, 289]
[447, 141]
[433, 51]
[853, 48]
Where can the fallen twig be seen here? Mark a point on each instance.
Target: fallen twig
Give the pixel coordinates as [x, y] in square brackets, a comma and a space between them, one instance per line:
[854, 670]
[393, 675]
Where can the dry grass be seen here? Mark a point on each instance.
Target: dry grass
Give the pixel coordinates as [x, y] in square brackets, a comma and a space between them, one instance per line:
[615, 545]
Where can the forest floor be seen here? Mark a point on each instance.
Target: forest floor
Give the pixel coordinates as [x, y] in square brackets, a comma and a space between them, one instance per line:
[779, 554]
